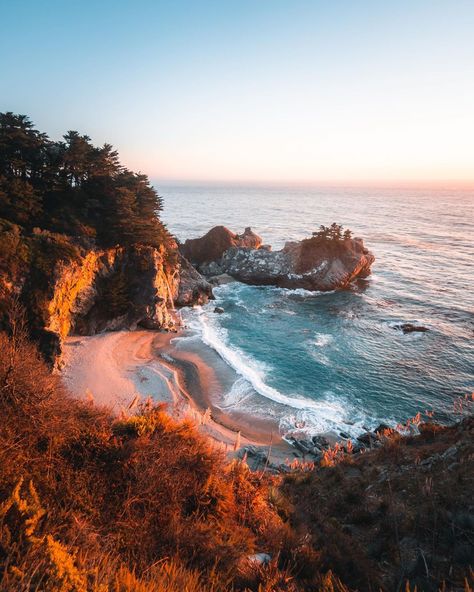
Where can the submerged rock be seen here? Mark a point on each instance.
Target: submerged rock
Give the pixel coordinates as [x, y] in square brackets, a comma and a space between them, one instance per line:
[410, 328]
[321, 442]
[221, 280]
[311, 264]
[368, 439]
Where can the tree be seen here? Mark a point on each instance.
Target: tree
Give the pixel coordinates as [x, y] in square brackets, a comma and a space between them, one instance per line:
[77, 158]
[72, 187]
[22, 163]
[323, 233]
[336, 231]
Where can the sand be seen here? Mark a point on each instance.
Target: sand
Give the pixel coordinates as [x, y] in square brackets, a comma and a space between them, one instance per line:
[115, 369]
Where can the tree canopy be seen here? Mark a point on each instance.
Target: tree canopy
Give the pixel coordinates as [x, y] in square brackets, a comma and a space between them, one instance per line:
[73, 187]
[332, 233]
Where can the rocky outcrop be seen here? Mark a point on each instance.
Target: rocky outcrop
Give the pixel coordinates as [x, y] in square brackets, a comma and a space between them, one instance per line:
[311, 264]
[410, 328]
[118, 288]
[216, 242]
[221, 280]
[193, 287]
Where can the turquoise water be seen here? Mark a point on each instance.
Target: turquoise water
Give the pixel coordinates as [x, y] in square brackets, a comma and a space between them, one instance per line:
[334, 360]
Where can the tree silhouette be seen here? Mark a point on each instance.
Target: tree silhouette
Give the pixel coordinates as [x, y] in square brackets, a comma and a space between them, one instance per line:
[74, 188]
[332, 233]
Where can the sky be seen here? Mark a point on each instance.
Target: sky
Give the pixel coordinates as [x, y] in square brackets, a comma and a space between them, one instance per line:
[335, 91]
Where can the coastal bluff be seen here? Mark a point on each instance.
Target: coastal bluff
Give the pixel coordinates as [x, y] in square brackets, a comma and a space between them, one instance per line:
[95, 290]
[120, 288]
[318, 263]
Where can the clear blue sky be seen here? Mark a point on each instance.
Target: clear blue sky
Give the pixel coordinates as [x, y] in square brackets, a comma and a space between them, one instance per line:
[291, 90]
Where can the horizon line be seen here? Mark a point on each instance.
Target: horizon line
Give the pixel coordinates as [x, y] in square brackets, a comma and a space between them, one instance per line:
[369, 183]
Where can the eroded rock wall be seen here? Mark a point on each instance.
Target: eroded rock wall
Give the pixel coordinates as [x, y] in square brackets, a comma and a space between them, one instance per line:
[119, 288]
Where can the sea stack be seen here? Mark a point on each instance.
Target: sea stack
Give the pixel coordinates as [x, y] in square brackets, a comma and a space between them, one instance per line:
[319, 263]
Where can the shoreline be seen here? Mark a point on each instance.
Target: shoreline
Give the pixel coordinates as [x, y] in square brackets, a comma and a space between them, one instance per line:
[113, 369]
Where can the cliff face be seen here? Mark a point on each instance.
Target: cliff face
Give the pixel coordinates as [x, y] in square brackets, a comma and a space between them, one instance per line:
[113, 289]
[82, 246]
[193, 287]
[310, 264]
[118, 288]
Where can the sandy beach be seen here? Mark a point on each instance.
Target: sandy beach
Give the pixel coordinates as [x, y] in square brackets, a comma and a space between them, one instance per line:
[113, 369]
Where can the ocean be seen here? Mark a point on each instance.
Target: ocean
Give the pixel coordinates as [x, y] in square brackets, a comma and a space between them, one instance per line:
[319, 362]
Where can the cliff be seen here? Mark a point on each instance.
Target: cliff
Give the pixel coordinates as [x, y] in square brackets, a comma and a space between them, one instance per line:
[70, 290]
[82, 246]
[312, 264]
[193, 287]
[119, 288]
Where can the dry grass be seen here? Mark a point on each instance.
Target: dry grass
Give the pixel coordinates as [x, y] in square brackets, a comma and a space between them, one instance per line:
[89, 503]
[401, 512]
[124, 500]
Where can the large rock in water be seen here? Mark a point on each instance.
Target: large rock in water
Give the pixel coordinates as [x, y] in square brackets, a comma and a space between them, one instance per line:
[216, 242]
[312, 264]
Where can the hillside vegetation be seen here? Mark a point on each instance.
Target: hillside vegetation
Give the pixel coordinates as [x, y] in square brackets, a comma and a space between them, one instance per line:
[90, 502]
[58, 201]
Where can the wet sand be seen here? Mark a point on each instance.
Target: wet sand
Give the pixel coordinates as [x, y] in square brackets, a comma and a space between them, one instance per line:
[115, 368]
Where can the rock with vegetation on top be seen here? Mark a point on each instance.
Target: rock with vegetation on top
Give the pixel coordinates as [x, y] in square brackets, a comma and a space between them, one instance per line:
[82, 246]
[323, 262]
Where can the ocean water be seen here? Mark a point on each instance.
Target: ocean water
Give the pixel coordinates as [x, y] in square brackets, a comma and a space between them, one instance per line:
[319, 362]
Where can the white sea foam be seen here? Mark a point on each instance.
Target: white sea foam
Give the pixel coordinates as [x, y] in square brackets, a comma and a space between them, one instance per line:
[254, 373]
[330, 417]
[301, 292]
[317, 348]
[323, 339]
[296, 416]
[320, 358]
[240, 392]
